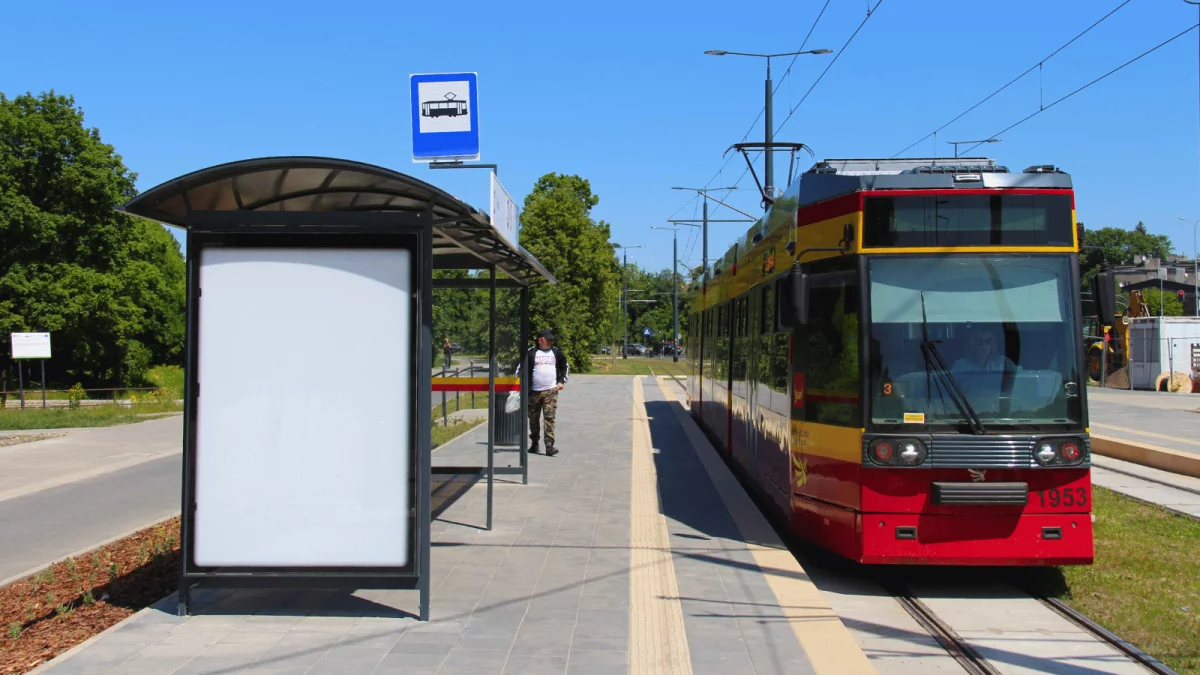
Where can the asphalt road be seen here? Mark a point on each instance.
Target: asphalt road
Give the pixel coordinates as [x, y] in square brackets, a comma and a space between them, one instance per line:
[39, 528]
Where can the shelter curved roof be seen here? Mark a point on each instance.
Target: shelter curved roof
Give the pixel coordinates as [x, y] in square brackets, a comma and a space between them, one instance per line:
[463, 236]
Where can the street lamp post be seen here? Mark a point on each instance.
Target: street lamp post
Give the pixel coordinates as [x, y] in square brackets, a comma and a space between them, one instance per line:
[625, 298]
[1195, 267]
[958, 143]
[674, 287]
[768, 121]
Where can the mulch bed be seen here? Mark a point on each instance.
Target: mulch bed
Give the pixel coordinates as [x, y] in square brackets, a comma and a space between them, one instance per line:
[24, 438]
[50, 612]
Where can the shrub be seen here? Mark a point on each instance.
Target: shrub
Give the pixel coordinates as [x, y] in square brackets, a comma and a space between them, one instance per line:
[74, 395]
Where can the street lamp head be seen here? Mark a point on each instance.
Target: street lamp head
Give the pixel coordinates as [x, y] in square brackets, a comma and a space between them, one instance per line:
[819, 51]
[716, 52]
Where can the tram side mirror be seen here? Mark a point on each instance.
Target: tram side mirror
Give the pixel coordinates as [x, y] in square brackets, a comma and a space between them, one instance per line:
[1104, 290]
[793, 300]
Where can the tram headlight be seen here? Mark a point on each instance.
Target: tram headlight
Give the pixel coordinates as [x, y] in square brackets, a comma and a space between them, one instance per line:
[912, 452]
[897, 451]
[1058, 451]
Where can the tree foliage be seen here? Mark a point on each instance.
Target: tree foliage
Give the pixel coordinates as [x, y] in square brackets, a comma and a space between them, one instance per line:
[651, 305]
[557, 228]
[1116, 247]
[1153, 299]
[108, 287]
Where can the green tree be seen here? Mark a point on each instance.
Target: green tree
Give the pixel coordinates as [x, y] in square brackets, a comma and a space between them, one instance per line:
[1113, 246]
[1153, 299]
[557, 228]
[108, 287]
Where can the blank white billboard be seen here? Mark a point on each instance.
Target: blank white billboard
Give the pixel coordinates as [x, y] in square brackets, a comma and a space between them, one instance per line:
[302, 424]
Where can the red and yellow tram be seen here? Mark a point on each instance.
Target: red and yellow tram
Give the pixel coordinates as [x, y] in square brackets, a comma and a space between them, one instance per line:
[890, 356]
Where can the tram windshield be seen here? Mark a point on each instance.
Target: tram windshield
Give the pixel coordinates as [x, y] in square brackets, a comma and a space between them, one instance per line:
[997, 331]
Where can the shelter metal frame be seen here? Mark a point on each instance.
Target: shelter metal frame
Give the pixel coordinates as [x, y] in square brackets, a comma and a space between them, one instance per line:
[322, 202]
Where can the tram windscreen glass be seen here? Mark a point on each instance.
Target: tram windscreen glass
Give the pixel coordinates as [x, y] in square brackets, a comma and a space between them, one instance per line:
[968, 220]
[1003, 327]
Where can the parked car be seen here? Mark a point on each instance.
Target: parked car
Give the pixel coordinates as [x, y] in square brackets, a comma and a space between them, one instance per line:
[604, 349]
[636, 349]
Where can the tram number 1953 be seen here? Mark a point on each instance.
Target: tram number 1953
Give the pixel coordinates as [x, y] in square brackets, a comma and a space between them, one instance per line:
[1057, 497]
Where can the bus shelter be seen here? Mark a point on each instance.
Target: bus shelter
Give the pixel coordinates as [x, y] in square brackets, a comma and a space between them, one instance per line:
[306, 442]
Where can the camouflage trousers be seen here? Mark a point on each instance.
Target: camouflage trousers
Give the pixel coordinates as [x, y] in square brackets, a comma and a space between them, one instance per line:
[542, 404]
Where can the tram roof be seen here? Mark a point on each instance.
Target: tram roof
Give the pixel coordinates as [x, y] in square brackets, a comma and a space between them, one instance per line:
[463, 236]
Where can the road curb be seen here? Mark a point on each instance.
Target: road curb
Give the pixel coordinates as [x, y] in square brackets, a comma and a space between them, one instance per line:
[83, 551]
[1153, 456]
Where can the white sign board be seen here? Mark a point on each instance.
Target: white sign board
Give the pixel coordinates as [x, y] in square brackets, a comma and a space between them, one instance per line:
[31, 345]
[290, 471]
[505, 216]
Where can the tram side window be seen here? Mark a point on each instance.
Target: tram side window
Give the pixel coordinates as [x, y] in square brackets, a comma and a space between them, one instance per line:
[780, 356]
[826, 351]
[740, 351]
[721, 344]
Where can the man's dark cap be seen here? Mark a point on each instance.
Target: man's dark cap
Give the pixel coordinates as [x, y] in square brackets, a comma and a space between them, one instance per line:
[546, 334]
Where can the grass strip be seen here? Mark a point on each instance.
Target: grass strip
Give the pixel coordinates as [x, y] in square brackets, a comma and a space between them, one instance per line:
[444, 434]
[97, 416]
[634, 365]
[1145, 582]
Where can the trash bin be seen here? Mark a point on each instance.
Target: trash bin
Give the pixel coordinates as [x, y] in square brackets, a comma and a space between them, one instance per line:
[508, 425]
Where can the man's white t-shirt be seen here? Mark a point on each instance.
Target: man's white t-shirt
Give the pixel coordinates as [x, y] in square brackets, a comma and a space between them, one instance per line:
[545, 370]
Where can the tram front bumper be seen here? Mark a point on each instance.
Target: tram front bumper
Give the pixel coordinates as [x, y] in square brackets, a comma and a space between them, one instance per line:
[1037, 539]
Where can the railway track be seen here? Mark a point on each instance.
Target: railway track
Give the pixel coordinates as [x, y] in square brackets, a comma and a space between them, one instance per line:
[975, 663]
[673, 374]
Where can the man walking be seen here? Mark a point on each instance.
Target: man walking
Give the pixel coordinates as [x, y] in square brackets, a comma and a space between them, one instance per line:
[545, 369]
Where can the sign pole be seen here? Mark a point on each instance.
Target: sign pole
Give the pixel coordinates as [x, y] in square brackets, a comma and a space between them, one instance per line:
[21, 382]
[43, 362]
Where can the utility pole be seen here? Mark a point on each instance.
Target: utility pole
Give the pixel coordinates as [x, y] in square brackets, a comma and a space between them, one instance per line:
[703, 192]
[768, 116]
[625, 298]
[674, 285]
[769, 129]
[674, 299]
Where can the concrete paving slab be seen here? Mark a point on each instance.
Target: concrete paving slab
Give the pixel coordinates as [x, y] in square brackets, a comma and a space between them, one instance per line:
[550, 589]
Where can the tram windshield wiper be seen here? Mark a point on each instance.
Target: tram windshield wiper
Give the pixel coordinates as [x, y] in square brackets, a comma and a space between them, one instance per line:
[934, 362]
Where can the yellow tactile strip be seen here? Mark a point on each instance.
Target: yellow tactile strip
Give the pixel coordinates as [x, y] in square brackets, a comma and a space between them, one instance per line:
[826, 640]
[657, 639]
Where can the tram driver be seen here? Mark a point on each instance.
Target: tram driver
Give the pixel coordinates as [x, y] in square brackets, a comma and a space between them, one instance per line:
[981, 371]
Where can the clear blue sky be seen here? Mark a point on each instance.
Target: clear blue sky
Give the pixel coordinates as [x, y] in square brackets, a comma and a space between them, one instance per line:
[622, 94]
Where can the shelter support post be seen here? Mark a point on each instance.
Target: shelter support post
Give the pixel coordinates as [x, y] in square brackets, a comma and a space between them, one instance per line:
[189, 415]
[491, 447]
[424, 348]
[524, 387]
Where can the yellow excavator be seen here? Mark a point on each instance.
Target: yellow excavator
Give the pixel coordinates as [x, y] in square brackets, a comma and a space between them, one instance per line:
[1108, 333]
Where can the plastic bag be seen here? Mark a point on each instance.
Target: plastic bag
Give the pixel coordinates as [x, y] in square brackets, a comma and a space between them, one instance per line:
[513, 404]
